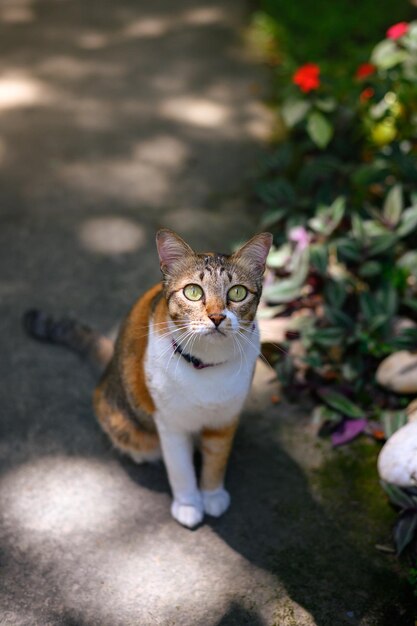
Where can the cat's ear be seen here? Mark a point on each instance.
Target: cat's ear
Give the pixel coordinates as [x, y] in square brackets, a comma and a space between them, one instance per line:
[171, 248]
[255, 251]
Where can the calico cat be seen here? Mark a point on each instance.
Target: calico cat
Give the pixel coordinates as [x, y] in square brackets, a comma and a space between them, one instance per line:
[181, 367]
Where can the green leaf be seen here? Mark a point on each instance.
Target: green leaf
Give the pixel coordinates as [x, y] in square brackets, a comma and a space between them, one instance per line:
[393, 421]
[369, 173]
[268, 312]
[278, 258]
[370, 269]
[319, 129]
[339, 318]
[272, 216]
[393, 205]
[387, 300]
[322, 415]
[326, 104]
[358, 228]
[328, 218]
[408, 261]
[293, 111]
[404, 530]
[375, 228]
[397, 496]
[368, 306]
[412, 304]
[340, 403]
[408, 222]
[319, 257]
[328, 337]
[280, 159]
[405, 340]
[335, 293]
[278, 192]
[377, 322]
[382, 244]
[386, 54]
[348, 249]
[284, 291]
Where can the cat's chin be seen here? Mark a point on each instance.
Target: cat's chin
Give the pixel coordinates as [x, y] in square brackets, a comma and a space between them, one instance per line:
[215, 334]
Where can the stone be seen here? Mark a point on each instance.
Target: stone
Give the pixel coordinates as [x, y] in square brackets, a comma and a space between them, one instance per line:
[411, 411]
[397, 461]
[398, 372]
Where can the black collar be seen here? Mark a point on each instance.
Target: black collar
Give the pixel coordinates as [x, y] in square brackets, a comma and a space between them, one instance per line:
[193, 360]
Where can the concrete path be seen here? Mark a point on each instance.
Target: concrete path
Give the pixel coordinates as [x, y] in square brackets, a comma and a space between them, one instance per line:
[117, 117]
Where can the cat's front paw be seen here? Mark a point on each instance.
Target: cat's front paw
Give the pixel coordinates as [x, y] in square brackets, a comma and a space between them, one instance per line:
[216, 502]
[188, 515]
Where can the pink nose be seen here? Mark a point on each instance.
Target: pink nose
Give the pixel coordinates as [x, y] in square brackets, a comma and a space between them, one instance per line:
[217, 318]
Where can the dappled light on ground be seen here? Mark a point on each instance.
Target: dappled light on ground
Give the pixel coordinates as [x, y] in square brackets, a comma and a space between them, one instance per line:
[21, 90]
[197, 111]
[111, 235]
[68, 67]
[168, 582]
[116, 120]
[3, 151]
[142, 175]
[57, 496]
[202, 16]
[154, 26]
[16, 11]
[148, 27]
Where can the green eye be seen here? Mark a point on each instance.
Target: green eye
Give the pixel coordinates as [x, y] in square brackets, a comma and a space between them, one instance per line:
[237, 293]
[193, 292]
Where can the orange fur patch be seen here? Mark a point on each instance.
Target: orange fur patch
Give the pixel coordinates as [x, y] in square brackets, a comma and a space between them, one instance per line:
[135, 339]
[124, 434]
[215, 448]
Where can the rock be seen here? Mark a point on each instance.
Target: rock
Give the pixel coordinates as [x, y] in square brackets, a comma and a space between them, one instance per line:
[411, 411]
[402, 323]
[397, 461]
[398, 372]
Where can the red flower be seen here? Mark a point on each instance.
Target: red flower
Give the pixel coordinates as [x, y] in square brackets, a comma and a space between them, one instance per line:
[307, 77]
[365, 70]
[397, 30]
[366, 94]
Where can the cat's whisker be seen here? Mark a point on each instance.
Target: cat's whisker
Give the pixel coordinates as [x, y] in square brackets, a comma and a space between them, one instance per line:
[171, 332]
[178, 340]
[183, 337]
[160, 326]
[245, 357]
[259, 352]
[236, 341]
[184, 349]
[158, 336]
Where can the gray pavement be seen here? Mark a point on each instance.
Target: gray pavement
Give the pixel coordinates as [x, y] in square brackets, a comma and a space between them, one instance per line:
[118, 117]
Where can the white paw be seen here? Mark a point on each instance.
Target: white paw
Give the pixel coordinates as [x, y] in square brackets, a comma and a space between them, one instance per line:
[187, 514]
[216, 502]
[145, 457]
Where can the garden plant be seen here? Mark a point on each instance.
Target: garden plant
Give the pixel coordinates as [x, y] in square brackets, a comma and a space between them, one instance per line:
[339, 192]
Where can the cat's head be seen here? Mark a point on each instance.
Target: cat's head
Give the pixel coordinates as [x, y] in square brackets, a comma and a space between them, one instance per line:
[212, 294]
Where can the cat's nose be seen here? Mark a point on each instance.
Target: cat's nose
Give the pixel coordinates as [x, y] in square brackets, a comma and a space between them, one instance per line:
[217, 318]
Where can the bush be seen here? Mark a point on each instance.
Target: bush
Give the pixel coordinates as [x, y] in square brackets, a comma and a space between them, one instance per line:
[339, 193]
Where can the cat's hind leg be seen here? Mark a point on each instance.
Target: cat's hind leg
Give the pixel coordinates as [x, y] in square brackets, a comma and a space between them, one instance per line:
[127, 436]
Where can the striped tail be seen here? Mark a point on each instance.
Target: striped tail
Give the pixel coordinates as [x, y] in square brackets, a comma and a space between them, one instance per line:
[70, 333]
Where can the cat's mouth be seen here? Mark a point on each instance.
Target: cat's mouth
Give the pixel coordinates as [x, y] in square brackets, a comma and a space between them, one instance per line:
[215, 332]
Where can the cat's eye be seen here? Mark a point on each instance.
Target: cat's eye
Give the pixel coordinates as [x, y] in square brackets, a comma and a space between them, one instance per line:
[237, 293]
[193, 292]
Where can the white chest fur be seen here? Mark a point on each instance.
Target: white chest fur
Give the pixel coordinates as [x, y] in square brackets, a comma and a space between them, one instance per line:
[188, 399]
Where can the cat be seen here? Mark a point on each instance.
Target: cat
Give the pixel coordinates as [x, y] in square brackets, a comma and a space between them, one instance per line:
[181, 367]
